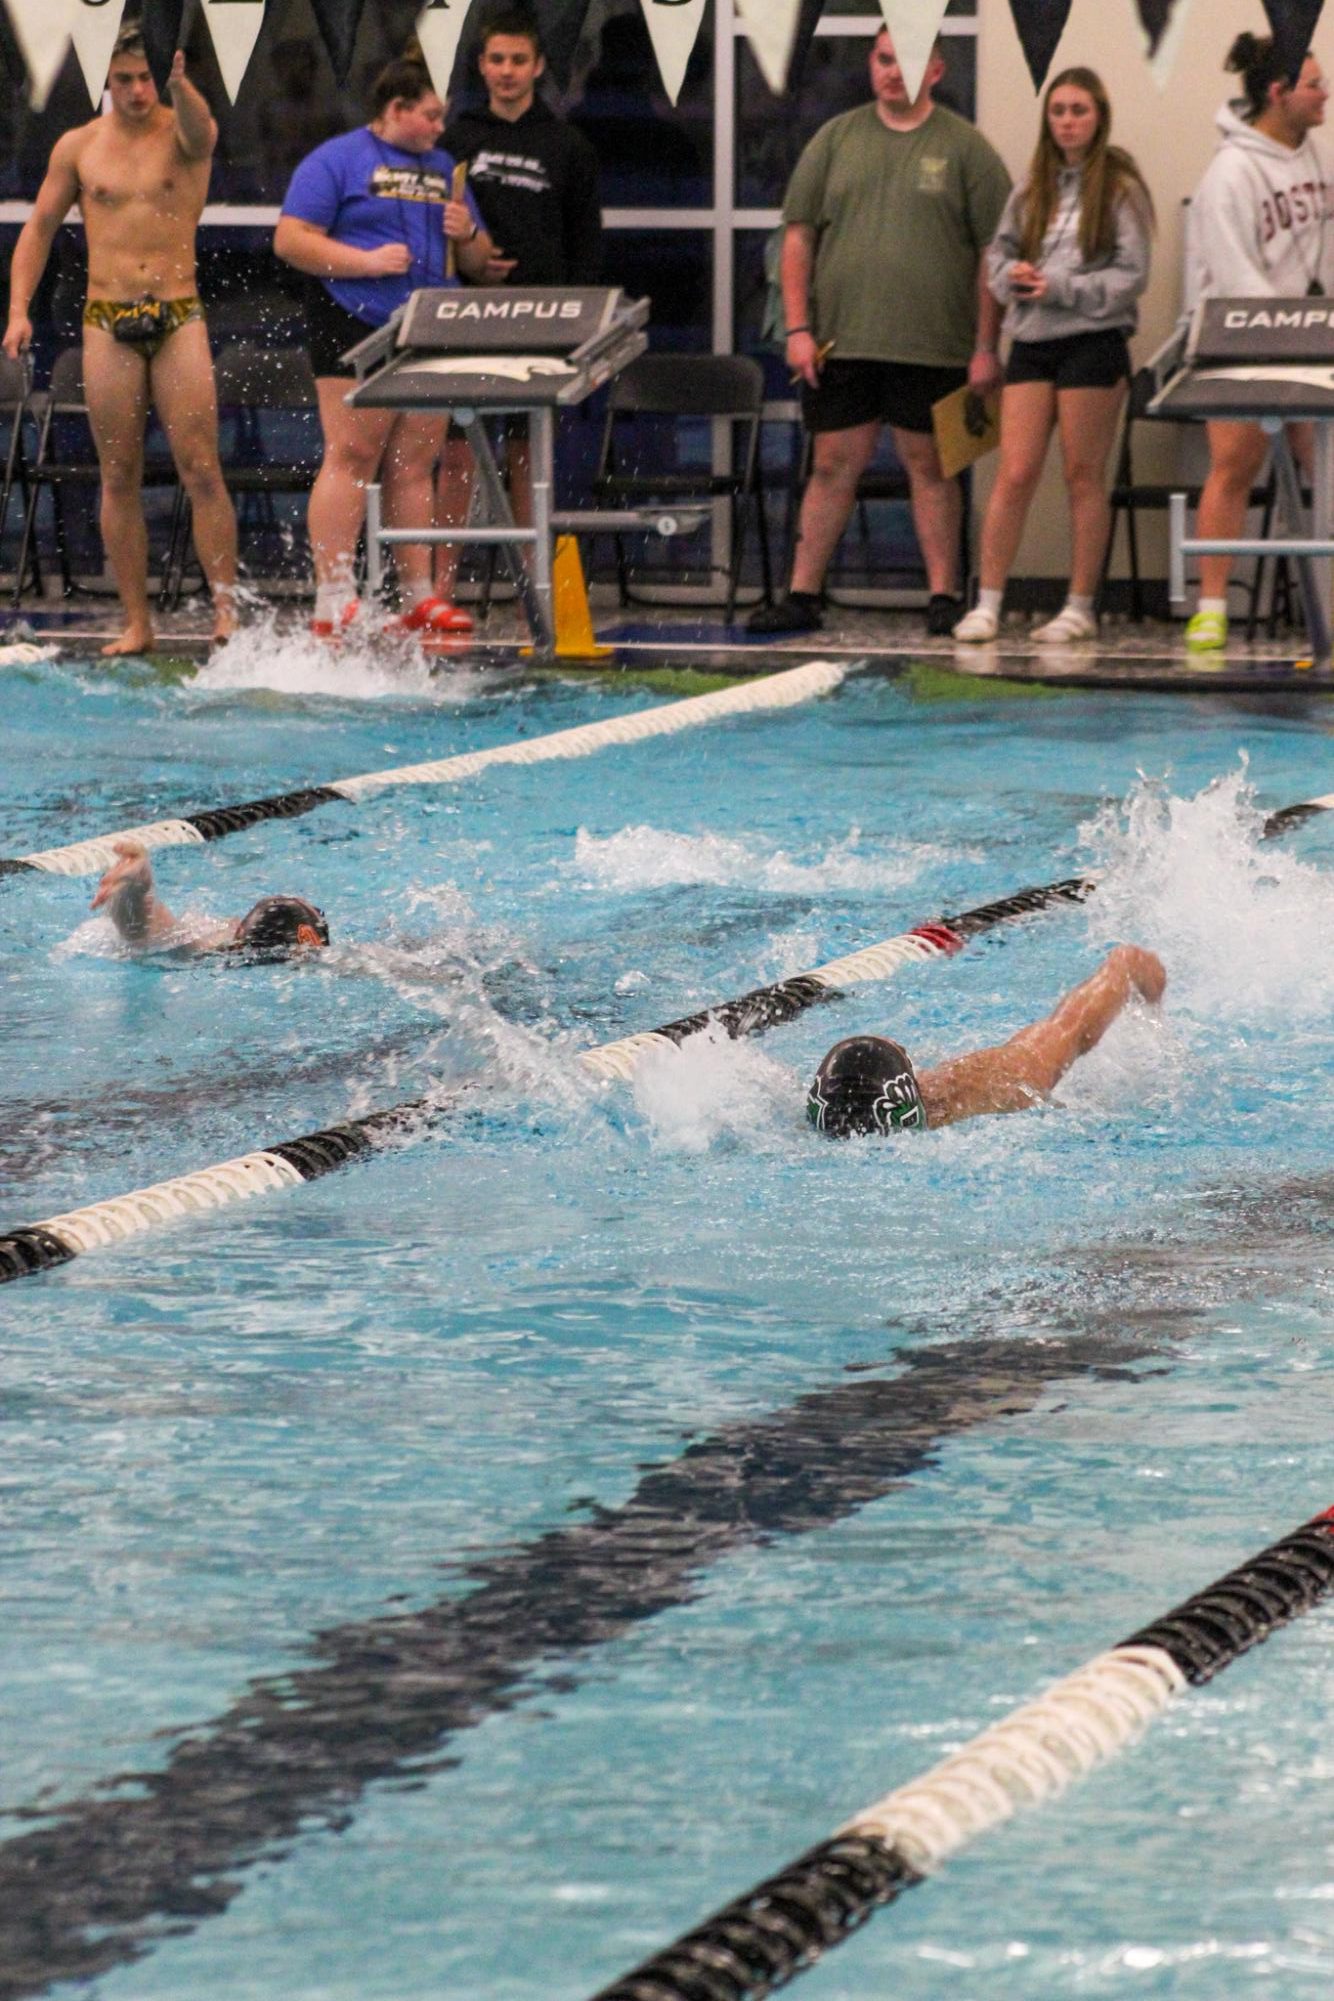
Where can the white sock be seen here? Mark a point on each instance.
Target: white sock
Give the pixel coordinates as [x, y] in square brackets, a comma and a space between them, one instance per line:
[415, 594]
[1214, 604]
[329, 602]
[1084, 605]
[990, 601]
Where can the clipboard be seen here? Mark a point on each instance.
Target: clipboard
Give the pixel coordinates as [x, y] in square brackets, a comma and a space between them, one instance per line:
[457, 189]
[966, 426]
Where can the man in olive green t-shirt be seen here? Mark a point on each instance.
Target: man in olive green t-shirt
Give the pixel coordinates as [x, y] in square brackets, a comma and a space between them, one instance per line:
[887, 310]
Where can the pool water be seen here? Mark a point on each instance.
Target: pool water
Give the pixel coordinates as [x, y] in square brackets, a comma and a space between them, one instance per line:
[460, 1575]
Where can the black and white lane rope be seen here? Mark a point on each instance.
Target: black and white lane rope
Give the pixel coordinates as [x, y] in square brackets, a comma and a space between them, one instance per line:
[55, 1240]
[773, 691]
[761, 1940]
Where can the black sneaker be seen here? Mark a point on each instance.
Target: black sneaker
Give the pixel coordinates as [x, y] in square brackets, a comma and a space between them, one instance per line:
[799, 611]
[943, 614]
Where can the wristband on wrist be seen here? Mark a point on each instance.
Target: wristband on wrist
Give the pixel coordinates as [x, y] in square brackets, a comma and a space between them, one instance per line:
[796, 330]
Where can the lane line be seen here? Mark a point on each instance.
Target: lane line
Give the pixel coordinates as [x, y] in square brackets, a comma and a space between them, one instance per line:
[766, 1937]
[774, 691]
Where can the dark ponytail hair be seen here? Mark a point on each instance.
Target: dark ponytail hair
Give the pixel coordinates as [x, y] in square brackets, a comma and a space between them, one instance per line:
[406, 77]
[1257, 61]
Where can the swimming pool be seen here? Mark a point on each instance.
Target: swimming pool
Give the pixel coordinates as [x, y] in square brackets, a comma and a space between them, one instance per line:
[930, 1426]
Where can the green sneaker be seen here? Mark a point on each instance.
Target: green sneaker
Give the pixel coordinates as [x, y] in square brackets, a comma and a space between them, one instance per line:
[1206, 632]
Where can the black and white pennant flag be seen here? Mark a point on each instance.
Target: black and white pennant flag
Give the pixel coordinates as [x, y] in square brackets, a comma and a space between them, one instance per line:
[1293, 24]
[771, 27]
[673, 26]
[440, 26]
[1163, 22]
[913, 26]
[94, 30]
[1041, 23]
[43, 29]
[337, 22]
[234, 26]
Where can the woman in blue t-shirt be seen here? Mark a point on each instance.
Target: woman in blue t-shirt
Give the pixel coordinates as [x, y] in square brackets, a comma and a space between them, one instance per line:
[369, 215]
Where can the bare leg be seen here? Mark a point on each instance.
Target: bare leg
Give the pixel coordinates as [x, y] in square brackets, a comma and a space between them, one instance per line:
[1236, 454]
[453, 489]
[937, 509]
[116, 384]
[185, 393]
[354, 442]
[1088, 419]
[839, 458]
[409, 495]
[1028, 411]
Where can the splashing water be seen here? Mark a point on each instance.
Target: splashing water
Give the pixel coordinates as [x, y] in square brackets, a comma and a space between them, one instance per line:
[366, 664]
[709, 1088]
[653, 858]
[1245, 929]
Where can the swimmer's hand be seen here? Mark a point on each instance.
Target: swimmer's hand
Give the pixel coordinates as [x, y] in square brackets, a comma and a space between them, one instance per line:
[176, 74]
[1144, 970]
[127, 895]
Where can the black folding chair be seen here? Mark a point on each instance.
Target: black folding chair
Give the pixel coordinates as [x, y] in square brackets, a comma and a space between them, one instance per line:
[657, 445]
[270, 440]
[20, 409]
[1130, 496]
[65, 458]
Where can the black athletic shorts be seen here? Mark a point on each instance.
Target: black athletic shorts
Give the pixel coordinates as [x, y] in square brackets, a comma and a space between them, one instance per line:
[899, 393]
[1080, 361]
[330, 332]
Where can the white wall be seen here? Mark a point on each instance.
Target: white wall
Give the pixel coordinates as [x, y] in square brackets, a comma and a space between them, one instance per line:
[1168, 126]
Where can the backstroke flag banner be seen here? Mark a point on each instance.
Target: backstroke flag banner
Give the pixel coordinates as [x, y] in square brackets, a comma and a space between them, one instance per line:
[1041, 24]
[439, 27]
[1163, 22]
[337, 22]
[771, 26]
[913, 26]
[94, 32]
[43, 33]
[234, 26]
[673, 26]
[1293, 25]
[45, 29]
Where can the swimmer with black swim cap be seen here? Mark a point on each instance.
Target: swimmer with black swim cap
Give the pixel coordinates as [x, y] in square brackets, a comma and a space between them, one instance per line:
[274, 927]
[868, 1084]
[865, 1085]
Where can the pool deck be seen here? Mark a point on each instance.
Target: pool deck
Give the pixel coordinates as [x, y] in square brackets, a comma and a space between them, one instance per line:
[1149, 656]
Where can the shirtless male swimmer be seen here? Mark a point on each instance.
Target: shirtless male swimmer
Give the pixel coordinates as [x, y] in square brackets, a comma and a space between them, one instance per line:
[140, 178]
[867, 1084]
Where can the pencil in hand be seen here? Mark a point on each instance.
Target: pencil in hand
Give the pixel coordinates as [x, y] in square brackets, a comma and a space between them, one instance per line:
[823, 351]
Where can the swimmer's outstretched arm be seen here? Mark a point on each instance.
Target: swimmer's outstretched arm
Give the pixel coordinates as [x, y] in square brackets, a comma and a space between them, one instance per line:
[127, 895]
[1018, 1074]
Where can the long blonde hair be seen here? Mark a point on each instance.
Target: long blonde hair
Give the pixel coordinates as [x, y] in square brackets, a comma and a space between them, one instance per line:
[1108, 177]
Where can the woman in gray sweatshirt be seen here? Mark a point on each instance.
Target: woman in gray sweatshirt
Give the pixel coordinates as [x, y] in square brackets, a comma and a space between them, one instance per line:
[1068, 262]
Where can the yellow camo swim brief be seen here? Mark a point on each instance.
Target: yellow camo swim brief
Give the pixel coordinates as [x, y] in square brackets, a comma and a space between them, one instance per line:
[147, 323]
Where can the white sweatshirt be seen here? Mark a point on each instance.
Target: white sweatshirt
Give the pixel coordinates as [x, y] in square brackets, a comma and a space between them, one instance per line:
[1261, 223]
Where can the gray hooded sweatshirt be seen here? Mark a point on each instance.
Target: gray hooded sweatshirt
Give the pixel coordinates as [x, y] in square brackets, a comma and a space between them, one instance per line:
[1080, 297]
[1260, 223]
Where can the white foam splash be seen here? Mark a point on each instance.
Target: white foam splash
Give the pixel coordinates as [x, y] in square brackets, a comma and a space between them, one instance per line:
[1245, 928]
[23, 653]
[710, 1088]
[645, 857]
[366, 664]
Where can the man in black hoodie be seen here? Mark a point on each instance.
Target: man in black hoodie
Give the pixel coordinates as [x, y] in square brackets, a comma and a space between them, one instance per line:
[535, 180]
[534, 177]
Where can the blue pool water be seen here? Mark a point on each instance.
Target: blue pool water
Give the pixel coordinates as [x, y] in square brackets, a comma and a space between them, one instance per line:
[932, 1424]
